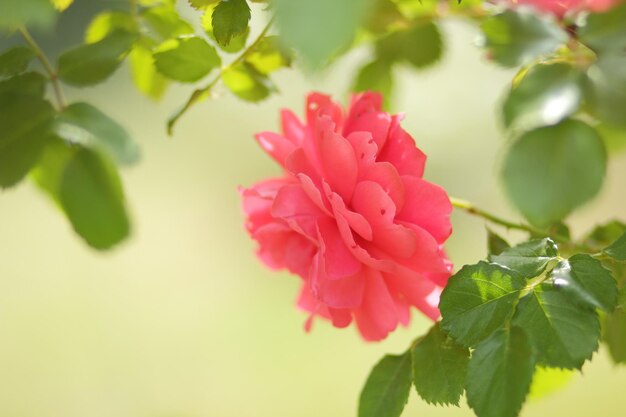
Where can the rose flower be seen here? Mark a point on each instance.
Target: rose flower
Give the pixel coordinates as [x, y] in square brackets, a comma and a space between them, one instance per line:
[352, 216]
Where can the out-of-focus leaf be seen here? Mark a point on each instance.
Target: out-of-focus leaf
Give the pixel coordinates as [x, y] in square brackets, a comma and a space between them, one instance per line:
[528, 258]
[495, 243]
[549, 380]
[237, 42]
[605, 234]
[145, 75]
[546, 95]
[166, 23]
[420, 46]
[614, 137]
[376, 76]
[17, 13]
[299, 24]
[25, 123]
[186, 59]
[516, 37]
[385, 14]
[551, 171]
[247, 83]
[26, 84]
[605, 31]
[202, 4]
[268, 55]
[439, 367]
[15, 60]
[387, 388]
[229, 19]
[562, 333]
[478, 300]
[93, 63]
[615, 330]
[606, 89]
[61, 5]
[107, 22]
[499, 374]
[89, 125]
[617, 250]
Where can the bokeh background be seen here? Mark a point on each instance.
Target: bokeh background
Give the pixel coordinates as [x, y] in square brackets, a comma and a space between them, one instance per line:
[182, 320]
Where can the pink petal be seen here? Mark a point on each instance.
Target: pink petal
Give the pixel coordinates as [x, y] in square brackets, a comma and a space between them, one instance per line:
[292, 128]
[356, 221]
[314, 193]
[339, 164]
[387, 177]
[293, 201]
[401, 151]
[340, 317]
[428, 206]
[370, 200]
[339, 260]
[365, 148]
[377, 124]
[420, 292]
[322, 105]
[277, 146]
[377, 316]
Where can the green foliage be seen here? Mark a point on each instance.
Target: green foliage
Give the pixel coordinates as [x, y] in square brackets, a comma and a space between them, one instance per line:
[236, 43]
[605, 31]
[387, 388]
[478, 300]
[230, 18]
[499, 374]
[606, 89]
[88, 189]
[513, 38]
[546, 95]
[268, 55]
[108, 22]
[550, 171]
[15, 13]
[615, 330]
[186, 59]
[26, 84]
[617, 250]
[495, 243]
[24, 124]
[247, 83]
[376, 76]
[439, 367]
[528, 258]
[93, 63]
[300, 21]
[83, 123]
[145, 75]
[15, 60]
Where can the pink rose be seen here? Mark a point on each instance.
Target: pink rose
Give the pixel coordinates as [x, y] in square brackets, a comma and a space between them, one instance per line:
[560, 7]
[352, 216]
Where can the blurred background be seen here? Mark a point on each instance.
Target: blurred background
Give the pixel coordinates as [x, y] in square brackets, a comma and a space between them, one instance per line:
[182, 320]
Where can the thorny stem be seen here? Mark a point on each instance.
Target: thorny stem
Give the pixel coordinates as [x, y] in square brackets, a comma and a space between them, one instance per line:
[472, 209]
[52, 74]
[201, 92]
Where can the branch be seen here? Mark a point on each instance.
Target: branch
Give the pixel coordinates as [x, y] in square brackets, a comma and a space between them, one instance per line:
[199, 93]
[52, 74]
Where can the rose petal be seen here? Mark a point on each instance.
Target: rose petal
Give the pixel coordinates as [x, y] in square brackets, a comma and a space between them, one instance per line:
[377, 316]
[339, 164]
[388, 178]
[292, 128]
[401, 151]
[277, 146]
[339, 260]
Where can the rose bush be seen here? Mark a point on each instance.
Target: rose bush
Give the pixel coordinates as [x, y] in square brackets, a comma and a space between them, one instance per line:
[352, 216]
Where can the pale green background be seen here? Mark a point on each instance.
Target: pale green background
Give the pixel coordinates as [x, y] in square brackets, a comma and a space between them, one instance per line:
[182, 320]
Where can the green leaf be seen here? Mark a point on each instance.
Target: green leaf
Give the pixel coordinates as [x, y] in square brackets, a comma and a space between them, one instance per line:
[529, 258]
[546, 95]
[26, 84]
[563, 333]
[617, 250]
[420, 46]
[478, 300]
[230, 18]
[516, 37]
[108, 22]
[551, 171]
[605, 31]
[606, 89]
[247, 83]
[145, 75]
[499, 374]
[25, 123]
[61, 5]
[91, 194]
[605, 234]
[48, 173]
[93, 63]
[166, 23]
[17, 13]
[376, 76]
[83, 123]
[495, 243]
[268, 55]
[614, 137]
[299, 24]
[187, 59]
[237, 42]
[615, 330]
[439, 367]
[586, 280]
[387, 388]
[15, 60]
[201, 4]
